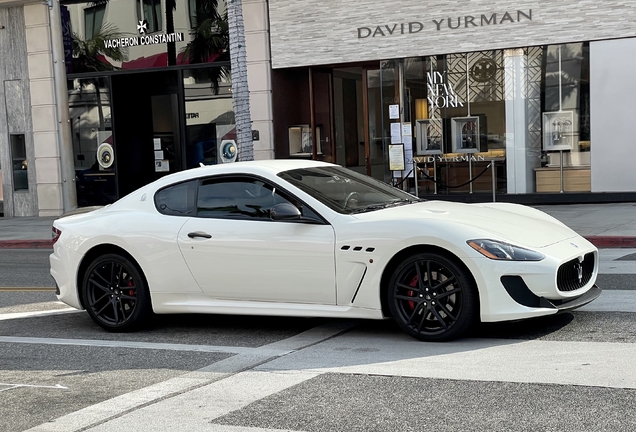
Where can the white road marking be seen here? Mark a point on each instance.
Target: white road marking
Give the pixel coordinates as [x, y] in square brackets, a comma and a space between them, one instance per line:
[15, 386]
[613, 301]
[111, 409]
[189, 412]
[617, 267]
[145, 345]
[18, 315]
[535, 361]
[614, 253]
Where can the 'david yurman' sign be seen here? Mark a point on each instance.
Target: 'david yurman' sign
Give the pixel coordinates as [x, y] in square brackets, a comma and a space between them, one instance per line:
[452, 23]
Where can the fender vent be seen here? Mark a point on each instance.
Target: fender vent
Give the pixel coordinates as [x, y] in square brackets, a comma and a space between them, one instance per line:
[357, 248]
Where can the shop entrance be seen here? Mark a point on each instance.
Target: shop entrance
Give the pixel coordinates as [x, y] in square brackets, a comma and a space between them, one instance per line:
[147, 128]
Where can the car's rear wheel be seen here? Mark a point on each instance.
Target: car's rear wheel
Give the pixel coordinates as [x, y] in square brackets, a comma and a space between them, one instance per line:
[115, 293]
[432, 297]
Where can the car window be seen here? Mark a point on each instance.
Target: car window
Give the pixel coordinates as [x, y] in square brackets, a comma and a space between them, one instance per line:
[177, 200]
[247, 198]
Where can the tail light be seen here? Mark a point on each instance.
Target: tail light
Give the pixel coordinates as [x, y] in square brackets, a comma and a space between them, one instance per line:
[55, 235]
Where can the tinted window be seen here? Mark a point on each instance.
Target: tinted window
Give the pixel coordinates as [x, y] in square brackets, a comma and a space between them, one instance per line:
[177, 200]
[243, 198]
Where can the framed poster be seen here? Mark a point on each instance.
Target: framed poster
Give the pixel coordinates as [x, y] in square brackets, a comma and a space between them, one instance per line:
[396, 157]
[429, 137]
[558, 130]
[465, 135]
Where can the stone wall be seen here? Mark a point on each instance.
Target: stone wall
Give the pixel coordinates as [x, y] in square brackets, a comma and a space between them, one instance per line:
[309, 32]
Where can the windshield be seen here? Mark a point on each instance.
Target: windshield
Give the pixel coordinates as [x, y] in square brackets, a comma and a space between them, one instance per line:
[346, 191]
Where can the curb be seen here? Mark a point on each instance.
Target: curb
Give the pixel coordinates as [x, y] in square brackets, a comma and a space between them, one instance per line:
[612, 242]
[26, 244]
[601, 242]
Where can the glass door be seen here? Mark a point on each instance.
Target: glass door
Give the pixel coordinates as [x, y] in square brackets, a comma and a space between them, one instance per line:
[349, 118]
[93, 141]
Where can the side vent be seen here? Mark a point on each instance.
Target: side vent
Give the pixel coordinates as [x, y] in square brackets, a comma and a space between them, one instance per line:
[357, 248]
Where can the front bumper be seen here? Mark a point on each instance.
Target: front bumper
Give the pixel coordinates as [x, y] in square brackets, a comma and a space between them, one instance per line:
[536, 292]
[520, 293]
[577, 302]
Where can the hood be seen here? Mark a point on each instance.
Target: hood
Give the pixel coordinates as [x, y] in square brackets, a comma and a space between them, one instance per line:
[516, 224]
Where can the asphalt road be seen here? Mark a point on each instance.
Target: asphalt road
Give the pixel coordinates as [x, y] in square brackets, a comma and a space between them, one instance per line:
[25, 268]
[60, 372]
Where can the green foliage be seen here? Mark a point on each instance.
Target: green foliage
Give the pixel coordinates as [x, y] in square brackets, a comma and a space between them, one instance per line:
[88, 54]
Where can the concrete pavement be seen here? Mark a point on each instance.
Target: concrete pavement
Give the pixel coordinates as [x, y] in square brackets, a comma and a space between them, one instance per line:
[608, 225]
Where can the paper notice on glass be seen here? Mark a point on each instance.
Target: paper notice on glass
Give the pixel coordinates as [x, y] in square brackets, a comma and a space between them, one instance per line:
[396, 157]
[162, 166]
[157, 143]
[158, 154]
[406, 129]
[394, 112]
[396, 136]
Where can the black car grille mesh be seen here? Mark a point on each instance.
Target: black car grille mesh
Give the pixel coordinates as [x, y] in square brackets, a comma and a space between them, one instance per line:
[574, 274]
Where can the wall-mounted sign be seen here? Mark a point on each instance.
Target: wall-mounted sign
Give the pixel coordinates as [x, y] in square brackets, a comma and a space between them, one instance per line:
[144, 39]
[453, 23]
[162, 38]
[443, 158]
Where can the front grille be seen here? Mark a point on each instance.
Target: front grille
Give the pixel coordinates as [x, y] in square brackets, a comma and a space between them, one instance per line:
[574, 274]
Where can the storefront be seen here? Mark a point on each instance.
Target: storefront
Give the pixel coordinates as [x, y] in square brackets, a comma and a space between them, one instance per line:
[506, 101]
[155, 100]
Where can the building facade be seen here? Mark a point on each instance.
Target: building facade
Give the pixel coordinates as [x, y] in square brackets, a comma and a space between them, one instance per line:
[527, 101]
[99, 98]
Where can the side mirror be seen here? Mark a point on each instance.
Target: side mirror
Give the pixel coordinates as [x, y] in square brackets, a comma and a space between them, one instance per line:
[284, 211]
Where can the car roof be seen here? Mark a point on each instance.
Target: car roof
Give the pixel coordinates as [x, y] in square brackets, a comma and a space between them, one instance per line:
[270, 166]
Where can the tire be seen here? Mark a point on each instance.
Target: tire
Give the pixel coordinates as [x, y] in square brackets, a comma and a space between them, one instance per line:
[432, 297]
[115, 293]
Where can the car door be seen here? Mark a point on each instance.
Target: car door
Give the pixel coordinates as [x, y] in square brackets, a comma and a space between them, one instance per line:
[235, 251]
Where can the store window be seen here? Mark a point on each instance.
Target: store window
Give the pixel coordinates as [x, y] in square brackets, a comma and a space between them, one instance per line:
[150, 11]
[19, 161]
[501, 121]
[210, 124]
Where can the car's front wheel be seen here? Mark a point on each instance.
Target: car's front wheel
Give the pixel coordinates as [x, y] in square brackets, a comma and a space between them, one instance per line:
[432, 297]
[115, 293]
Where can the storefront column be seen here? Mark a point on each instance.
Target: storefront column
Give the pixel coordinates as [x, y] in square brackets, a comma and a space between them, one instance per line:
[69, 192]
[519, 166]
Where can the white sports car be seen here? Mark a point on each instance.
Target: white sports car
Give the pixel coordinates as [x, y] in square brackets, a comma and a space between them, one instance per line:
[305, 238]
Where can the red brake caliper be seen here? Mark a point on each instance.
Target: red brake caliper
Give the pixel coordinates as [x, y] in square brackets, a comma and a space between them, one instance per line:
[131, 292]
[410, 293]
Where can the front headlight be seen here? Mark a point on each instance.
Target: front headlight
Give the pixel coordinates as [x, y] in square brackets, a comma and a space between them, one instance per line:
[503, 251]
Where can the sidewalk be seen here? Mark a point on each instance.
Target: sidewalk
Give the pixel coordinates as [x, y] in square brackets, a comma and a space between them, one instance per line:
[605, 225]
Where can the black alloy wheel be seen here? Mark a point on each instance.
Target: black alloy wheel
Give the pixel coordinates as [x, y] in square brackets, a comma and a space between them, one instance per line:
[115, 293]
[432, 298]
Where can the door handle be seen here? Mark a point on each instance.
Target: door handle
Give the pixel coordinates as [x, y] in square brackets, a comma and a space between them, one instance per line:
[199, 234]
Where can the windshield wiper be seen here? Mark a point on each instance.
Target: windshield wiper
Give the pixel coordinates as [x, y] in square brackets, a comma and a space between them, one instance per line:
[382, 206]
